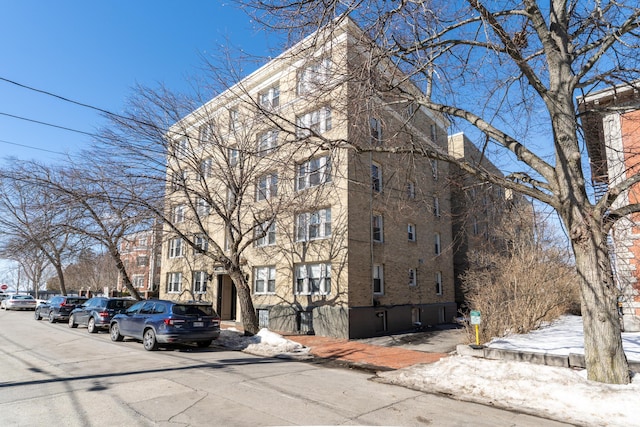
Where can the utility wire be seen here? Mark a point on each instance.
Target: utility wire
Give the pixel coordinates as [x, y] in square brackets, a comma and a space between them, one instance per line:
[46, 124]
[31, 147]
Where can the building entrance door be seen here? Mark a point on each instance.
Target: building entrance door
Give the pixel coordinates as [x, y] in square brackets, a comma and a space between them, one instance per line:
[227, 298]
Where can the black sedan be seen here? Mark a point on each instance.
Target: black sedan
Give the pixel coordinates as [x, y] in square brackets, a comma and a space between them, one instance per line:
[58, 308]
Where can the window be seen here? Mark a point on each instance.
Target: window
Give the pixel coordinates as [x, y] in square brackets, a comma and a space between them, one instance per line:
[270, 98]
[313, 279]
[142, 261]
[201, 243]
[264, 280]
[411, 109]
[200, 279]
[411, 232]
[376, 131]
[206, 168]
[138, 281]
[318, 121]
[233, 156]
[176, 248]
[476, 228]
[376, 177]
[313, 75]
[411, 190]
[142, 242]
[438, 283]
[233, 119]
[313, 172]
[174, 283]
[203, 208]
[267, 187]
[178, 214]
[438, 249]
[378, 279]
[181, 147]
[178, 180]
[231, 199]
[267, 141]
[433, 132]
[436, 206]
[434, 169]
[376, 226]
[205, 133]
[412, 277]
[313, 225]
[265, 234]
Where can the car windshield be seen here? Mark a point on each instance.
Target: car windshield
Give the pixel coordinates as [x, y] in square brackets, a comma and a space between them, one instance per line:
[22, 297]
[193, 310]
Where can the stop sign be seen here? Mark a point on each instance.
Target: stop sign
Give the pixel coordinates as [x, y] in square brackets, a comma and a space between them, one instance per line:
[4, 287]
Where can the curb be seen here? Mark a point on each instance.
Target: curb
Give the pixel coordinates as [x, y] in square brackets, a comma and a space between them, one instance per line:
[573, 360]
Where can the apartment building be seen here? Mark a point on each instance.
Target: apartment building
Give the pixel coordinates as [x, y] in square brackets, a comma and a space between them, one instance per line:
[141, 256]
[287, 175]
[611, 122]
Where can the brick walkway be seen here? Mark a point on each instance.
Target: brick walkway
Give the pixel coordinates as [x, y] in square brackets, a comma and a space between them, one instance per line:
[367, 355]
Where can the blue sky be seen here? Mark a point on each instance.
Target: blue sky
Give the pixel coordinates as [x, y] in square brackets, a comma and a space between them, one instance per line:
[94, 52]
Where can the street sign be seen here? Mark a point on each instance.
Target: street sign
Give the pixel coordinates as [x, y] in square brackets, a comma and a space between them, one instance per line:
[4, 287]
[475, 317]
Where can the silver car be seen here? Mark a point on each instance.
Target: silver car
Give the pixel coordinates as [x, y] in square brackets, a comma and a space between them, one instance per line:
[19, 302]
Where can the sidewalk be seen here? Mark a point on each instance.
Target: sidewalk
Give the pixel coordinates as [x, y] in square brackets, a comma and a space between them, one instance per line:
[365, 356]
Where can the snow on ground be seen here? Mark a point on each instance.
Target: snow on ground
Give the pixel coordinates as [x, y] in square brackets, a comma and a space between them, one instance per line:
[557, 393]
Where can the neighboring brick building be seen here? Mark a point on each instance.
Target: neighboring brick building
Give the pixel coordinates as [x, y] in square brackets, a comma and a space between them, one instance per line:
[611, 121]
[361, 242]
[140, 253]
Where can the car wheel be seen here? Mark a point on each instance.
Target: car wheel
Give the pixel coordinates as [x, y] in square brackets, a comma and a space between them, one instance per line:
[114, 332]
[36, 314]
[149, 340]
[72, 322]
[51, 318]
[91, 326]
[203, 344]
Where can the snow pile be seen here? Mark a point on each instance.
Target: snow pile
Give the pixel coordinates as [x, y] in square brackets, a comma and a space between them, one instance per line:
[265, 343]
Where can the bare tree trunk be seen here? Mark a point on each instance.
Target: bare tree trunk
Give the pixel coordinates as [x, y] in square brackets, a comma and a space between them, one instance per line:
[63, 288]
[249, 318]
[604, 356]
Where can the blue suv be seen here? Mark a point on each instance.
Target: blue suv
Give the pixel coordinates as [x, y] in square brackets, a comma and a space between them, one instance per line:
[97, 312]
[158, 322]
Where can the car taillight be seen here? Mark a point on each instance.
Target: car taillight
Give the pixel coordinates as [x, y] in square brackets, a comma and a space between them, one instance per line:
[173, 322]
[103, 314]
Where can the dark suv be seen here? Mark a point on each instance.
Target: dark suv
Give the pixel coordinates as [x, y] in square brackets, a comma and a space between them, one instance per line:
[164, 322]
[58, 308]
[97, 312]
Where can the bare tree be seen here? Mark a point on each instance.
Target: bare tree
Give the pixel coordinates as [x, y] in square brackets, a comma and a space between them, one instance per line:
[508, 73]
[31, 261]
[92, 272]
[35, 217]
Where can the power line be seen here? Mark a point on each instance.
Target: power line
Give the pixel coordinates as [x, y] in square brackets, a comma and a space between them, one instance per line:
[46, 124]
[31, 147]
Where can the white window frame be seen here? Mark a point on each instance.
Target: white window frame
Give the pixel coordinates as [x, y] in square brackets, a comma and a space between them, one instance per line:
[205, 133]
[269, 238]
[438, 283]
[375, 131]
[411, 190]
[376, 177]
[201, 242]
[270, 98]
[203, 208]
[312, 279]
[378, 275]
[313, 225]
[377, 228]
[438, 245]
[179, 213]
[174, 283]
[200, 279]
[137, 280]
[267, 142]
[318, 121]
[264, 280]
[181, 148]
[413, 281]
[234, 117]
[434, 169]
[206, 168]
[313, 75]
[234, 156]
[267, 187]
[313, 172]
[436, 206]
[176, 248]
[411, 232]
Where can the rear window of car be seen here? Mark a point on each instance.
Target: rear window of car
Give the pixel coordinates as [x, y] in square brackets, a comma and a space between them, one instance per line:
[75, 300]
[119, 304]
[193, 310]
[22, 297]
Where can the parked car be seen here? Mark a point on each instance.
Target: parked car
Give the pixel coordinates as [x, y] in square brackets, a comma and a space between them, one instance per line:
[58, 308]
[18, 302]
[158, 322]
[97, 312]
